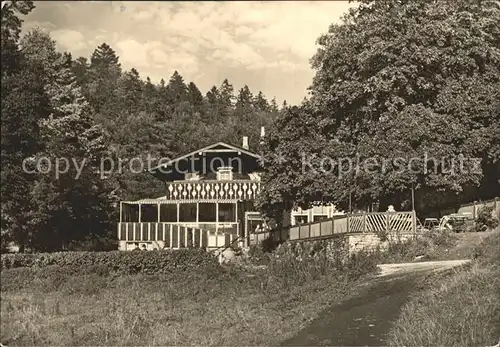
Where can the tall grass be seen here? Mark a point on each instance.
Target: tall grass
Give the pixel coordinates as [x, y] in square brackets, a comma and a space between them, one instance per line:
[427, 246]
[458, 309]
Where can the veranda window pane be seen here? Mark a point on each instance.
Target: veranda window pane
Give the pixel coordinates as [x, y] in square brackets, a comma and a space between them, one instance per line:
[187, 212]
[207, 212]
[168, 213]
[149, 213]
[130, 213]
[227, 212]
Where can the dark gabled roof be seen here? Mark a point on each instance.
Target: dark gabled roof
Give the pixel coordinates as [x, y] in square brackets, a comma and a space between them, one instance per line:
[207, 148]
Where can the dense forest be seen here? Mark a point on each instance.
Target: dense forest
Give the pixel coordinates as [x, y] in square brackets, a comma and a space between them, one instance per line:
[91, 111]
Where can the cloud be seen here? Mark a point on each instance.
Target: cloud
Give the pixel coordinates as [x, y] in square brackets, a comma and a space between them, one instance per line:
[44, 25]
[151, 55]
[142, 15]
[133, 52]
[214, 40]
[239, 32]
[69, 39]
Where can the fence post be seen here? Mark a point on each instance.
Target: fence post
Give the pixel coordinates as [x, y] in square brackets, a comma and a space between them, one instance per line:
[320, 228]
[309, 230]
[364, 223]
[414, 221]
[387, 223]
[474, 210]
[333, 226]
[348, 222]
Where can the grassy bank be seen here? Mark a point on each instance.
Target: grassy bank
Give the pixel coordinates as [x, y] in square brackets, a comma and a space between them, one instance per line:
[71, 304]
[461, 308]
[431, 245]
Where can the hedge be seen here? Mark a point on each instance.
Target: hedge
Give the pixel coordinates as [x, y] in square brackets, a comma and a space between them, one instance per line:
[150, 262]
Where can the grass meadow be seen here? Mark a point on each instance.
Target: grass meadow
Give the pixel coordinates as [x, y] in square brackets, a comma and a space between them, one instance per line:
[209, 305]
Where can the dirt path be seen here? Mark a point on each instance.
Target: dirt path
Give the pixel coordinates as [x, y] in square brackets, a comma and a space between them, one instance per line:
[365, 319]
[404, 268]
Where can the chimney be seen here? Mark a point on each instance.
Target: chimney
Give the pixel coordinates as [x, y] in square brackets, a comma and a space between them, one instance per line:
[262, 134]
[245, 142]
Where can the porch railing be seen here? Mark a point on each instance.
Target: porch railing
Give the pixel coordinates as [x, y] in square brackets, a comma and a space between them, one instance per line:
[213, 190]
[172, 235]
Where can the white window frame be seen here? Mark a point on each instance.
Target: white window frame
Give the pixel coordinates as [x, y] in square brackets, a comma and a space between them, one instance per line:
[299, 216]
[225, 173]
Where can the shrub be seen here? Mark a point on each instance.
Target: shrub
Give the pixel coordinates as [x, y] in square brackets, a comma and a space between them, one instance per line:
[116, 261]
[293, 264]
[486, 219]
[427, 244]
[257, 255]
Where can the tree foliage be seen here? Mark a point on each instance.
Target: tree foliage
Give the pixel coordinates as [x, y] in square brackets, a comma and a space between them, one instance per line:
[399, 80]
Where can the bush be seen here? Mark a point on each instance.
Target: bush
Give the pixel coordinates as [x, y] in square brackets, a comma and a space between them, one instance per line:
[294, 264]
[427, 244]
[486, 219]
[115, 261]
[257, 255]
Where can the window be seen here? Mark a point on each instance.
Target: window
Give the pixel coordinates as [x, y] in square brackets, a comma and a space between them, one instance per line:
[130, 213]
[321, 217]
[207, 212]
[227, 212]
[149, 213]
[168, 213]
[187, 213]
[225, 174]
[254, 225]
[301, 219]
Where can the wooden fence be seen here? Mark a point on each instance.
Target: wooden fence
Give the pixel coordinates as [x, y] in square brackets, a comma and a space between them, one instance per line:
[352, 223]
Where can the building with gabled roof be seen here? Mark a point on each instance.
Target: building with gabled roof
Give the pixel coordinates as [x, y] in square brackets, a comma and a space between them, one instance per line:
[208, 202]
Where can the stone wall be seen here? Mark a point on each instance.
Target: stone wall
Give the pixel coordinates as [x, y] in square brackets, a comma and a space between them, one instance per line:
[370, 241]
[343, 245]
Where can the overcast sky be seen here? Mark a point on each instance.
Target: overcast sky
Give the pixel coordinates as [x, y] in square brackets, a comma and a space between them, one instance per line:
[266, 45]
